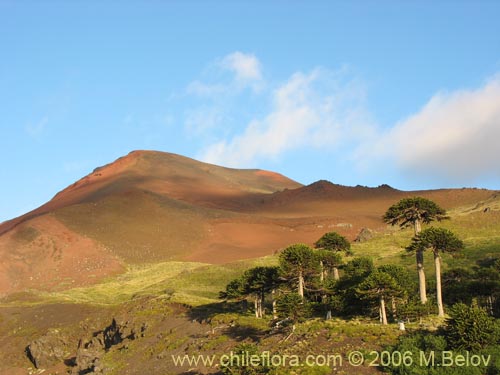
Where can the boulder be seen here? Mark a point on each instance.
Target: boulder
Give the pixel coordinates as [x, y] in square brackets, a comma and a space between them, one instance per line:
[47, 350]
[364, 235]
[90, 351]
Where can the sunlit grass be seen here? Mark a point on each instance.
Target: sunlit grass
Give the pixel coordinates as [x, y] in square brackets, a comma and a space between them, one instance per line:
[184, 282]
[479, 231]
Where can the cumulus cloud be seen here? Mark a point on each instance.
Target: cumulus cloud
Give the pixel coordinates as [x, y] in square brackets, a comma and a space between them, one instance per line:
[246, 67]
[451, 139]
[455, 136]
[316, 109]
[235, 72]
[205, 89]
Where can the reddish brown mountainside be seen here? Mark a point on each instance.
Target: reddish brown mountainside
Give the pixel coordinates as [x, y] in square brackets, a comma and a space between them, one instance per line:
[153, 206]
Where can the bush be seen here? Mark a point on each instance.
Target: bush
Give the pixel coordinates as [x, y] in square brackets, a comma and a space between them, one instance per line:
[239, 366]
[415, 344]
[470, 328]
[292, 306]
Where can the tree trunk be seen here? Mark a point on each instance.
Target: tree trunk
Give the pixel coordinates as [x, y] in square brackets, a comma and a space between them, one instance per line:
[336, 273]
[383, 315]
[490, 304]
[394, 309]
[256, 306]
[417, 227]
[322, 272]
[275, 311]
[437, 263]
[261, 305]
[301, 285]
[421, 277]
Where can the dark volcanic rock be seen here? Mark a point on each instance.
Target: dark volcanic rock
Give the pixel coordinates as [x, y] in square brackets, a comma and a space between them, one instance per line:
[90, 352]
[47, 350]
[364, 235]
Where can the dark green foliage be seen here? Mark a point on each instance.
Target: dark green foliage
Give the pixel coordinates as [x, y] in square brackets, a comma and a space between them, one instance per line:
[457, 283]
[260, 280]
[470, 328]
[298, 257]
[299, 263]
[413, 310]
[256, 282]
[440, 240]
[238, 366]
[417, 343]
[379, 287]
[345, 290]
[234, 290]
[481, 285]
[422, 344]
[378, 284]
[402, 276]
[410, 210]
[291, 306]
[334, 242]
[358, 268]
[329, 261]
[329, 258]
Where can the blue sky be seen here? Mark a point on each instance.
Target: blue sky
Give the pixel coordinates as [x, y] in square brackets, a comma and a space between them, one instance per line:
[404, 93]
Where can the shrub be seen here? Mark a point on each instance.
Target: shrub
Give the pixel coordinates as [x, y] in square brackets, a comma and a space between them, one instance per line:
[470, 328]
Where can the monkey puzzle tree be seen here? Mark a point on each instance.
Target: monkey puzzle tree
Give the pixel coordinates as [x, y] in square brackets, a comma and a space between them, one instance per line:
[235, 291]
[413, 212]
[439, 240]
[379, 285]
[470, 328]
[297, 262]
[256, 282]
[336, 243]
[328, 260]
[291, 306]
[345, 289]
[403, 279]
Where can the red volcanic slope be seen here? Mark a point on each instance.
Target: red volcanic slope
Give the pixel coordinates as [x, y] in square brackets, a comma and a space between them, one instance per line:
[153, 206]
[177, 176]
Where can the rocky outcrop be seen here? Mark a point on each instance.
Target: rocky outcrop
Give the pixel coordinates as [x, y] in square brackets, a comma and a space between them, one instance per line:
[52, 348]
[90, 351]
[364, 235]
[47, 350]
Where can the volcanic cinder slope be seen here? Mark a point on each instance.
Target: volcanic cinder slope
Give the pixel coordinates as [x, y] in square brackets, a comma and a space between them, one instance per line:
[153, 206]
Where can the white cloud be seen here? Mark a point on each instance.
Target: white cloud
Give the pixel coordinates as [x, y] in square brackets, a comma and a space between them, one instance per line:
[454, 136]
[246, 67]
[235, 72]
[201, 121]
[204, 89]
[451, 139]
[310, 110]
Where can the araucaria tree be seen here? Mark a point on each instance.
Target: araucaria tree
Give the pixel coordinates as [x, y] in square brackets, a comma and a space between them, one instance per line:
[297, 262]
[290, 306]
[256, 282]
[415, 212]
[382, 286]
[336, 243]
[439, 240]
